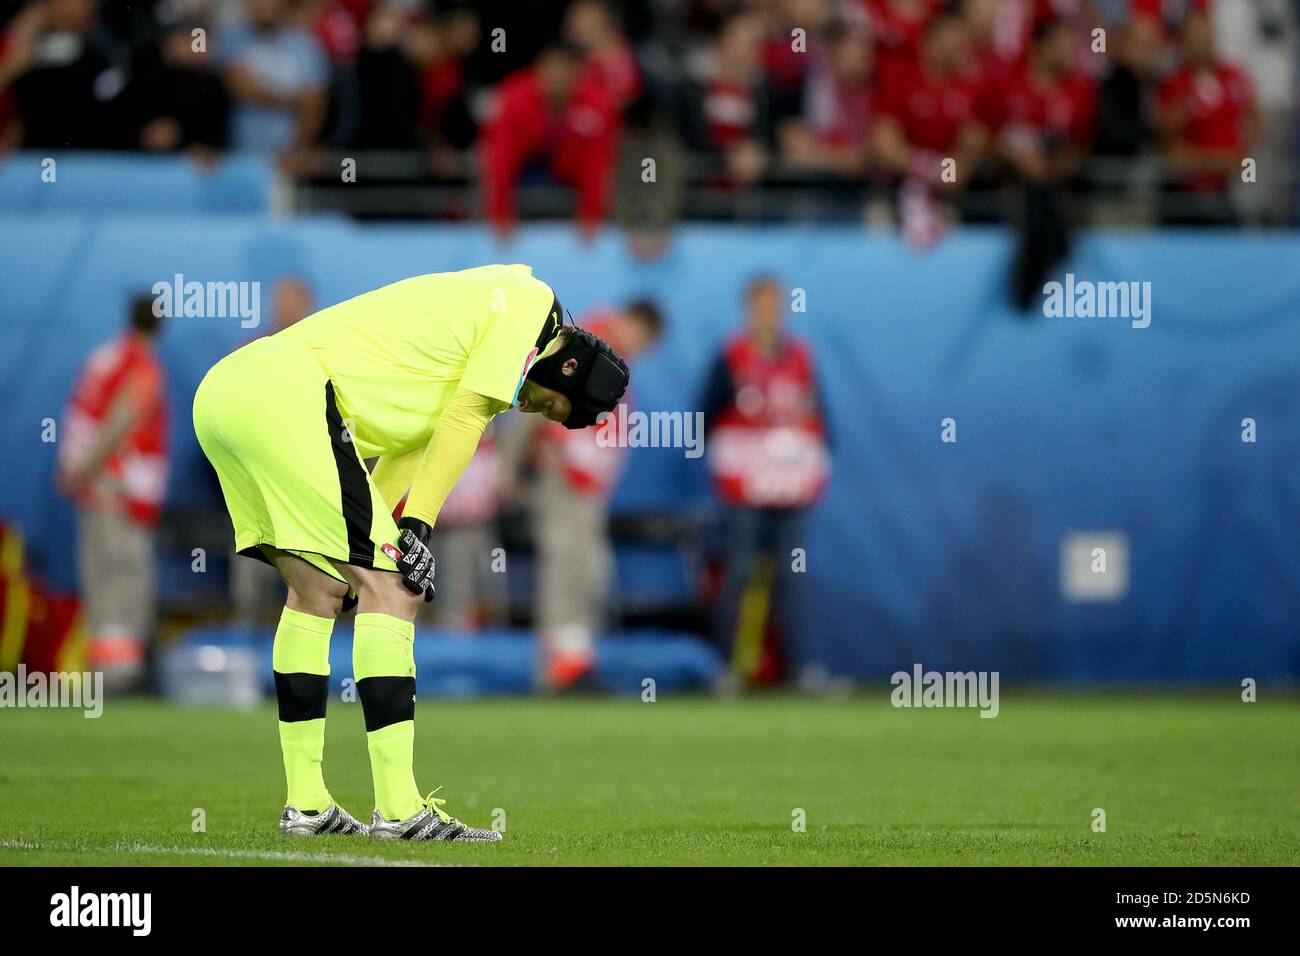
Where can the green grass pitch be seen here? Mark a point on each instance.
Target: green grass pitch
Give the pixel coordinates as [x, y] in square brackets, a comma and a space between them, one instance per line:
[1183, 780]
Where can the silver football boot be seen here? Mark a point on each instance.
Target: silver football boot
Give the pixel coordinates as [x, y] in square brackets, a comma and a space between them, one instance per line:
[332, 821]
[431, 823]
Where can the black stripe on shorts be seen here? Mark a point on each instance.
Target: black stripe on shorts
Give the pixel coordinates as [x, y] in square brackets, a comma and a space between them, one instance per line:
[358, 515]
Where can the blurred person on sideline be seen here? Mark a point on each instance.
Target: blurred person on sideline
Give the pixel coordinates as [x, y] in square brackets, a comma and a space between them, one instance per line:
[113, 462]
[277, 75]
[575, 473]
[550, 119]
[767, 452]
[256, 589]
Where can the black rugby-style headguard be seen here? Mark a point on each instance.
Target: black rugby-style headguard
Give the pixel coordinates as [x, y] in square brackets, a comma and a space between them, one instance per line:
[596, 384]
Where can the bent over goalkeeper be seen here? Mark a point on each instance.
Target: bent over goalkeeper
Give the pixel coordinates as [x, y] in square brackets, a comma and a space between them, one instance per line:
[409, 374]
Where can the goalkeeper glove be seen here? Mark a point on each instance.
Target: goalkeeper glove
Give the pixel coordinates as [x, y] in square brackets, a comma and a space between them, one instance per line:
[412, 556]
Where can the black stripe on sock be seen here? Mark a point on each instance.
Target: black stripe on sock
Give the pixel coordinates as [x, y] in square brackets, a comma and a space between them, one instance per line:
[355, 490]
[301, 696]
[386, 700]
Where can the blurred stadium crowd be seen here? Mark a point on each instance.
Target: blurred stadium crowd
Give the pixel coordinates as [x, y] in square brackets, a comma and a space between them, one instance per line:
[750, 108]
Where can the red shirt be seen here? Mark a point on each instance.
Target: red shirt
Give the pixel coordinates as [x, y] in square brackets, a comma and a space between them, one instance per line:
[897, 39]
[785, 66]
[730, 112]
[440, 83]
[134, 472]
[8, 111]
[338, 28]
[578, 143]
[1216, 103]
[1067, 107]
[617, 73]
[767, 447]
[932, 110]
[1165, 10]
[840, 115]
[991, 75]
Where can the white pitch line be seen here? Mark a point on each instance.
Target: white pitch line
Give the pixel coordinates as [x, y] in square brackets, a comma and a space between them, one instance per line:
[338, 859]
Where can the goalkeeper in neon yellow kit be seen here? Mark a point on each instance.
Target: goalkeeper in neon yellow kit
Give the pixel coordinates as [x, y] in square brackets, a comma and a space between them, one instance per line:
[409, 374]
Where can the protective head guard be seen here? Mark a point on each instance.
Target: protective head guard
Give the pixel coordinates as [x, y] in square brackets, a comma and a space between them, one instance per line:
[596, 384]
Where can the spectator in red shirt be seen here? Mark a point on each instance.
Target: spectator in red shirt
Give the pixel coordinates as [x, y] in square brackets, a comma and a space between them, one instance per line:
[1049, 113]
[931, 116]
[787, 55]
[999, 32]
[729, 109]
[1206, 112]
[898, 28]
[1048, 110]
[608, 60]
[439, 48]
[547, 116]
[833, 133]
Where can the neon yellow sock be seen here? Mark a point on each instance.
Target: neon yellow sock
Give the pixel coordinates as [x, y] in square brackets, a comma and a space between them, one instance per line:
[300, 658]
[302, 743]
[383, 663]
[392, 764]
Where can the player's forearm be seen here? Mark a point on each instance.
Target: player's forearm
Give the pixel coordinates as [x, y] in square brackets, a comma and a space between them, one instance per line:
[448, 453]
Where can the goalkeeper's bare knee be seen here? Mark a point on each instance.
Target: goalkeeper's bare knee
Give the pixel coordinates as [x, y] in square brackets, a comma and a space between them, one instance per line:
[311, 590]
[381, 592]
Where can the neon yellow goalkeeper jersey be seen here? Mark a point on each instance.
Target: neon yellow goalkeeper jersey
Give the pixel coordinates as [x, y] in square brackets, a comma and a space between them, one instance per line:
[397, 355]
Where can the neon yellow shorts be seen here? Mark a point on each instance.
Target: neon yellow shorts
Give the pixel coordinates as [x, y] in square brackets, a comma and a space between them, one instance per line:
[266, 418]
